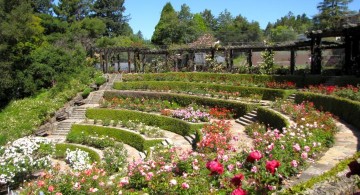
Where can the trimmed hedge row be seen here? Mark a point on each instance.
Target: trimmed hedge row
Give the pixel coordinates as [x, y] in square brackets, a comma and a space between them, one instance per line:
[300, 81]
[133, 139]
[267, 94]
[347, 110]
[60, 151]
[272, 118]
[167, 123]
[238, 108]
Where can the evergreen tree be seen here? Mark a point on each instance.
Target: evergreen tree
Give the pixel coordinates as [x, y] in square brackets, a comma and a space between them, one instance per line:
[73, 10]
[112, 13]
[331, 13]
[167, 30]
[209, 19]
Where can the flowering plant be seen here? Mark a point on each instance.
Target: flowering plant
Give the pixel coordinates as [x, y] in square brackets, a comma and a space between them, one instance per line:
[191, 115]
[78, 159]
[220, 113]
[22, 157]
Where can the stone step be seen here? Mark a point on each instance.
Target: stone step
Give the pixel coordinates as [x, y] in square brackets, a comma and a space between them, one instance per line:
[254, 112]
[242, 122]
[245, 120]
[251, 114]
[251, 118]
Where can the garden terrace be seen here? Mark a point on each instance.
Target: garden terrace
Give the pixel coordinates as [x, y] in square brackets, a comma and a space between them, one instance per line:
[234, 79]
[131, 138]
[204, 88]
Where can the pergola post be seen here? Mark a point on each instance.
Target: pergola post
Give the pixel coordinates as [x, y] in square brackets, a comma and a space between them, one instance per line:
[231, 58]
[315, 55]
[292, 61]
[249, 58]
[129, 61]
[347, 65]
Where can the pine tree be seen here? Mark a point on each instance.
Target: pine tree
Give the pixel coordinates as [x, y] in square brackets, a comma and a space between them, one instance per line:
[331, 13]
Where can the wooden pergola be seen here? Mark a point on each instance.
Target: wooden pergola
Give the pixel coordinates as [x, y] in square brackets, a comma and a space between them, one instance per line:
[351, 36]
[315, 45]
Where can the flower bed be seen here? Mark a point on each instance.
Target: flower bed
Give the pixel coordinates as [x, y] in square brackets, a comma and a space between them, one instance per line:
[237, 108]
[345, 109]
[349, 92]
[191, 115]
[170, 124]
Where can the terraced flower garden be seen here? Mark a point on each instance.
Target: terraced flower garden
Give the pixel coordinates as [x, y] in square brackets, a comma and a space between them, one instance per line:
[194, 133]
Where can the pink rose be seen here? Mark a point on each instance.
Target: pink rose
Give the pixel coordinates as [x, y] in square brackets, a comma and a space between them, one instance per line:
[297, 147]
[294, 163]
[271, 166]
[51, 188]
[304, 155]
[254, 156]
[306, 148]
[40, 183]
[215, 167]
[238, 191]
[185, 185]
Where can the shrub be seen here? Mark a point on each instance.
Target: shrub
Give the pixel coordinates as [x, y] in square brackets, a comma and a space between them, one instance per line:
[238, 108]
[133, 139]
[100, 80]
[271, 118]
[174, 125]
[235, 79]
[267, 94]
[86, 92]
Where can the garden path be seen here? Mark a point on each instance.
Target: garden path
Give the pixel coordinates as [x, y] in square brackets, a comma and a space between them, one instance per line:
[242, 140]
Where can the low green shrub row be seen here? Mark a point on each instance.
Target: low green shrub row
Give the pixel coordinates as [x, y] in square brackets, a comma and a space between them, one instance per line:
[167, 123]
[265, 93]
[345, 109]
[271, 118]
[238, 108]
[300, 81]
[60, 151]
[100, 80]
[133, 139]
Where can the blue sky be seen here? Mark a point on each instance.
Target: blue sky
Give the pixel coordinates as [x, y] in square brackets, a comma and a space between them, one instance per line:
[145, 14]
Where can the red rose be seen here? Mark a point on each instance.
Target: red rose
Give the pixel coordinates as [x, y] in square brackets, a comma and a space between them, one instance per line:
[236, 180]
[272, 165]
[215, 167]
[254, 156]
[238, 191]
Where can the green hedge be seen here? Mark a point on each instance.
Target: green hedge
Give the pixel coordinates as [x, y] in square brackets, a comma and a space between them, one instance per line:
[345, 109]
[60, 151]
[133, 139]
[238, 108]
[272, 118]
[167, 123]
[265, 93]
[300, 81]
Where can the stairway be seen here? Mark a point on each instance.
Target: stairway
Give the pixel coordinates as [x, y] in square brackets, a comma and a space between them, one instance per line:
[248, 118]
[78, 113]
[291, 98]
[95, 97]
[63, 128]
